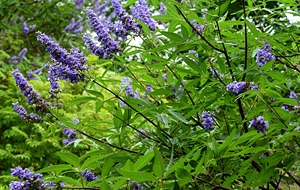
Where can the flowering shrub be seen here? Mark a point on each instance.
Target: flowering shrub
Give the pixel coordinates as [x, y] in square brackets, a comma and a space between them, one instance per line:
[197, 128]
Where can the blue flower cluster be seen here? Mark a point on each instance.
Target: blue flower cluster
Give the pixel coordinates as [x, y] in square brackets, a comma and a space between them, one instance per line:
[79, 4]
[288, 107]
[240, 87]
[215, 73]
[26, 29]
[128, 91]
[92, 46]
[141, 12]
[208, 120]
[20, 57]
[31, 118]
[136, 186]
[149, 89]
[264, 55]
[32, 98]
[26, 89]
[73, 26]
[69, 132]
[31, 74]
[109, 44]
[173, 87]
[204, 11]
[143, 131]
[195, 54]
[71, 136]
[162, 9]
[198, 27]
[28, 180]
[260, 124]
[102, 9]
[293, 95]
[128, 23]
[88, 175]
[66, 66]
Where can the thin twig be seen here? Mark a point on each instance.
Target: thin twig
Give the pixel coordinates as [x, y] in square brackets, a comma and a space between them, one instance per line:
[219, 50]
[225, 53]
[246, 41]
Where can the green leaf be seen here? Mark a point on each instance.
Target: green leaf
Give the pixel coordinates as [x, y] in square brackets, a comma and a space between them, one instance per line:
[178, 116]
[227, 142]
[99, 105]
[164, 17]
[162, 92]
[137, 176]
[104, 185]
[69, 181]
[184, 32]
[130, 2]
[289, 101]
[95, 93]
[159, 165]
[252, 28]
[70, 158]
[143, 161]
[118, 184]
[106, 167]
[266, 67]
[146, 28]
[93, 159]
[192, 64]
[165, 47]
[172, 36]
[183, 174]
[81, 100]
[163, 118]
[56, 168]
[155, 3]
[128, 166]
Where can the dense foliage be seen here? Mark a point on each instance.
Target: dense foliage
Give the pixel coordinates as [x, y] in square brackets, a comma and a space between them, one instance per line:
[204, 97]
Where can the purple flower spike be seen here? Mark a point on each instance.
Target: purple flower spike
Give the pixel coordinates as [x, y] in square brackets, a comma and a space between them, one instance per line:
[293, 95]
[28, 180]
[264, 55]
[22, 54]
[26, 29]
[109, 44]
[102, 9]
[71, 136]
[208, 120]
[162, 9]
[32, 97]
[204, 10]
[128, 23]
[197, 26]
[66, 66]
[74, 27]
[141, 12]
[70, 133]
[240, 87]
[259, 124]
[88, 175]
[30, 74]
